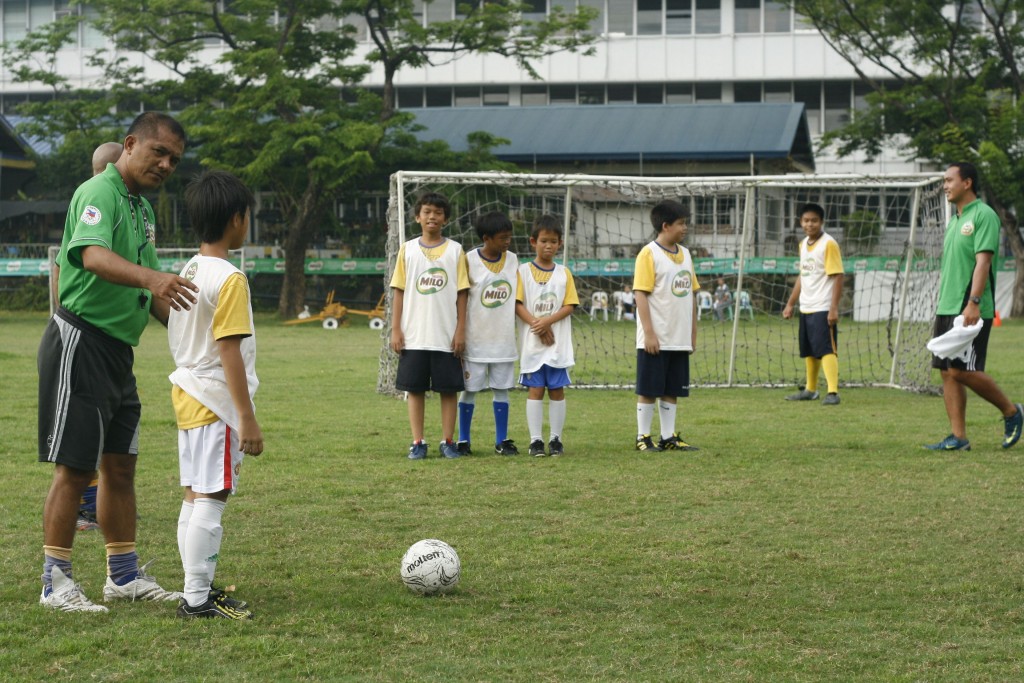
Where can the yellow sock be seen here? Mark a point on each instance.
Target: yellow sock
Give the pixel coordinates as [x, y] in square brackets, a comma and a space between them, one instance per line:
[118, 548]
[57, 552]
[813, 366]
[830, 364]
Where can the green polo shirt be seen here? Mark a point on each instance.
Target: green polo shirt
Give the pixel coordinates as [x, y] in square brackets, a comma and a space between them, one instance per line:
[975, 230]
[102, 214]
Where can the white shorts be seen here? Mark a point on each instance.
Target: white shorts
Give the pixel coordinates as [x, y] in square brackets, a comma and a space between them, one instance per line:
[480, 376]
[209, 458]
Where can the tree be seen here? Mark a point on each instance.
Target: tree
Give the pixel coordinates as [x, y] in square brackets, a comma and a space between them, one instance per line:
[947, 82]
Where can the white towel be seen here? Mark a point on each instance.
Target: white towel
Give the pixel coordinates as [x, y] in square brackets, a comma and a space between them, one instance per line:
[956, 343]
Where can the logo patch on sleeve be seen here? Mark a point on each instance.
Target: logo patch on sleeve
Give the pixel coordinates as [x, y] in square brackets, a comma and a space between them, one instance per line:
[91, 215]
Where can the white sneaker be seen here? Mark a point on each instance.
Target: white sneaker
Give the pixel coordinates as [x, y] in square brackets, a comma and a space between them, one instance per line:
[66, 595]
[143, 587]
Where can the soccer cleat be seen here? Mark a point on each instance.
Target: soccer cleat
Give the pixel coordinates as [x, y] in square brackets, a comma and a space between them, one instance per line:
[831, 399]
[555, 446]
[674, 443]
[215, 607]
[450, 450]
[645, 443]
[66, 595]
[506, 447]
[222, 595]
[418, 451]
[464, 448]
[142, 587]
[950, 443]
[86, 521]
[803, 395]
[1013, 424]
[537, 448]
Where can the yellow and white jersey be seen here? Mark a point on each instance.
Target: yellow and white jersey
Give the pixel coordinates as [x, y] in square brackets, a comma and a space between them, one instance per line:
[817, 263]
[491, 308]
[670, 283]
[426, 275]
[544, 292]
[223, 309]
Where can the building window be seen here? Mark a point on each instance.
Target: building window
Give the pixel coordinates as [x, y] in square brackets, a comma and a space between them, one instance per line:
[708, 16]
[467, 96]
[861, 91]
[748, 16]
[620, 18]
[746, 92]
[439, 10]
[562, 94]
[678, 93]
[533, 95]
[809, 93]
[648, 17]
[591, 94]
[439, 97]
[837, 104]
[495, 95]
[679, 17]
[619, 93]
[15, 21]
[708, 92]
[410, 98]
[777, 17]
[776, 92]
[536, 10]
[597, 23]
[650, 93]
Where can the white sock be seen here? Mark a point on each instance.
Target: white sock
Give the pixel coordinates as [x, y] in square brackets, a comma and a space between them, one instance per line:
[667, 416]
[183, 517]
[644, 418]
[202, 547]
[535, 419]
[556, 415]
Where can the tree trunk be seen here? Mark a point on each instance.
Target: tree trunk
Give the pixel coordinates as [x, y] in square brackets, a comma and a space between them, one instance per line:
[1013, 236]
[293, 289]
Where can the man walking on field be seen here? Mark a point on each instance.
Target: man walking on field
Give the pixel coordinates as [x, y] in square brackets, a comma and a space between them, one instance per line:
[966, 287]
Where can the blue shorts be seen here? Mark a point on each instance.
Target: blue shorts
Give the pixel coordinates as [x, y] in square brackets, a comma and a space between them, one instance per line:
[663, 374]
[817, 338]
[551, 378]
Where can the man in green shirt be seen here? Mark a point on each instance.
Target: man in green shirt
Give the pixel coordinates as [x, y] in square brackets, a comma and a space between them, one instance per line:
[966, 287]
[89, 408]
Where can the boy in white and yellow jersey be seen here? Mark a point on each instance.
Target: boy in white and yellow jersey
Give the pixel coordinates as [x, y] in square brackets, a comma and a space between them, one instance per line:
[214, 349]
[545, 301]
[818, 290]
[490, 357]
[428, 326]
[665, 287]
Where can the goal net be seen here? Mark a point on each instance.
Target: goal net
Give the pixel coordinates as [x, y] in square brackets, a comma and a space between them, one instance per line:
[742, 230]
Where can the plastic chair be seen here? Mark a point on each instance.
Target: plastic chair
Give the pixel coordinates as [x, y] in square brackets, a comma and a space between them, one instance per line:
[743, 303]
[704, 303]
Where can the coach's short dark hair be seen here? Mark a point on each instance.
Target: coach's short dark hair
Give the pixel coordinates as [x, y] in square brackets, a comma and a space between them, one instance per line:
[492, 223]
[967, 171]
[813, 208]
[668, 212]
[433, 199]
[148, 123]
[212, 199]
[548, 223]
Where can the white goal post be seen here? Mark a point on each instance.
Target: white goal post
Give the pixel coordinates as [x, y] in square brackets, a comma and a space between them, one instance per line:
[744, 230]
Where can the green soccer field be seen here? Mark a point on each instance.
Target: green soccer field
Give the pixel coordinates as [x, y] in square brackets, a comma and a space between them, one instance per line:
[801, 543]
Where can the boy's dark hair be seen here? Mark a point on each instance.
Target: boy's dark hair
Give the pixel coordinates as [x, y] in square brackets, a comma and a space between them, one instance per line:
[212, 199]
[546, 222]
[491, 224]
[968, 171]
[147, 123]
[433, 199]
[813, 208]
[668, 211]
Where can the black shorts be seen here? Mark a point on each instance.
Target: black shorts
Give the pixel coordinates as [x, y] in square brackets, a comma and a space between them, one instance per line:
[664, 374]
[88, 400]
[979, 347]
[422, 371]
[817, 338]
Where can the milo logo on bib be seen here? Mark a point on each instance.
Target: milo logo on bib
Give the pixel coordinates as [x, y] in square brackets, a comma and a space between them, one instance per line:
[432, 281]
[545, 305]
[681, 284]
[496, 293]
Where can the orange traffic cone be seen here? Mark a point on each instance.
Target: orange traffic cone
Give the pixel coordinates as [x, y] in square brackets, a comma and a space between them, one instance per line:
[997, 322]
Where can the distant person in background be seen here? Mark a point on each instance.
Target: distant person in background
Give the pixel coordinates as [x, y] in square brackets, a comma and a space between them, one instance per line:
[966, 288]
[107, 153]
[723, 299]
[628, 303]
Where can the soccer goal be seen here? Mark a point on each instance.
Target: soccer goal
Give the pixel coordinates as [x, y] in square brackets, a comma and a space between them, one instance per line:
[744, 230]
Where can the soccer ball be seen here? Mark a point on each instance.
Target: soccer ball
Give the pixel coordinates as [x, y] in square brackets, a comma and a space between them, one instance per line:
[430, 567]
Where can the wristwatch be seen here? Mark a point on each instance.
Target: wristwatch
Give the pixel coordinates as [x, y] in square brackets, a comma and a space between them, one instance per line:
[975, 300]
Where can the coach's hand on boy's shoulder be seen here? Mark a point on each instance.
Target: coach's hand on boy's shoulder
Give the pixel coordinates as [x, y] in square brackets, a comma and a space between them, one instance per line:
[173, 289]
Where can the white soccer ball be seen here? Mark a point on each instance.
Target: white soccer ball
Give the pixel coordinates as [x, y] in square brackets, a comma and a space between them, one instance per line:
[431, 567]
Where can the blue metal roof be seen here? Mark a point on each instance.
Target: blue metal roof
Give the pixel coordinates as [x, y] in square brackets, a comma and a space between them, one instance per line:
[691, 132]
